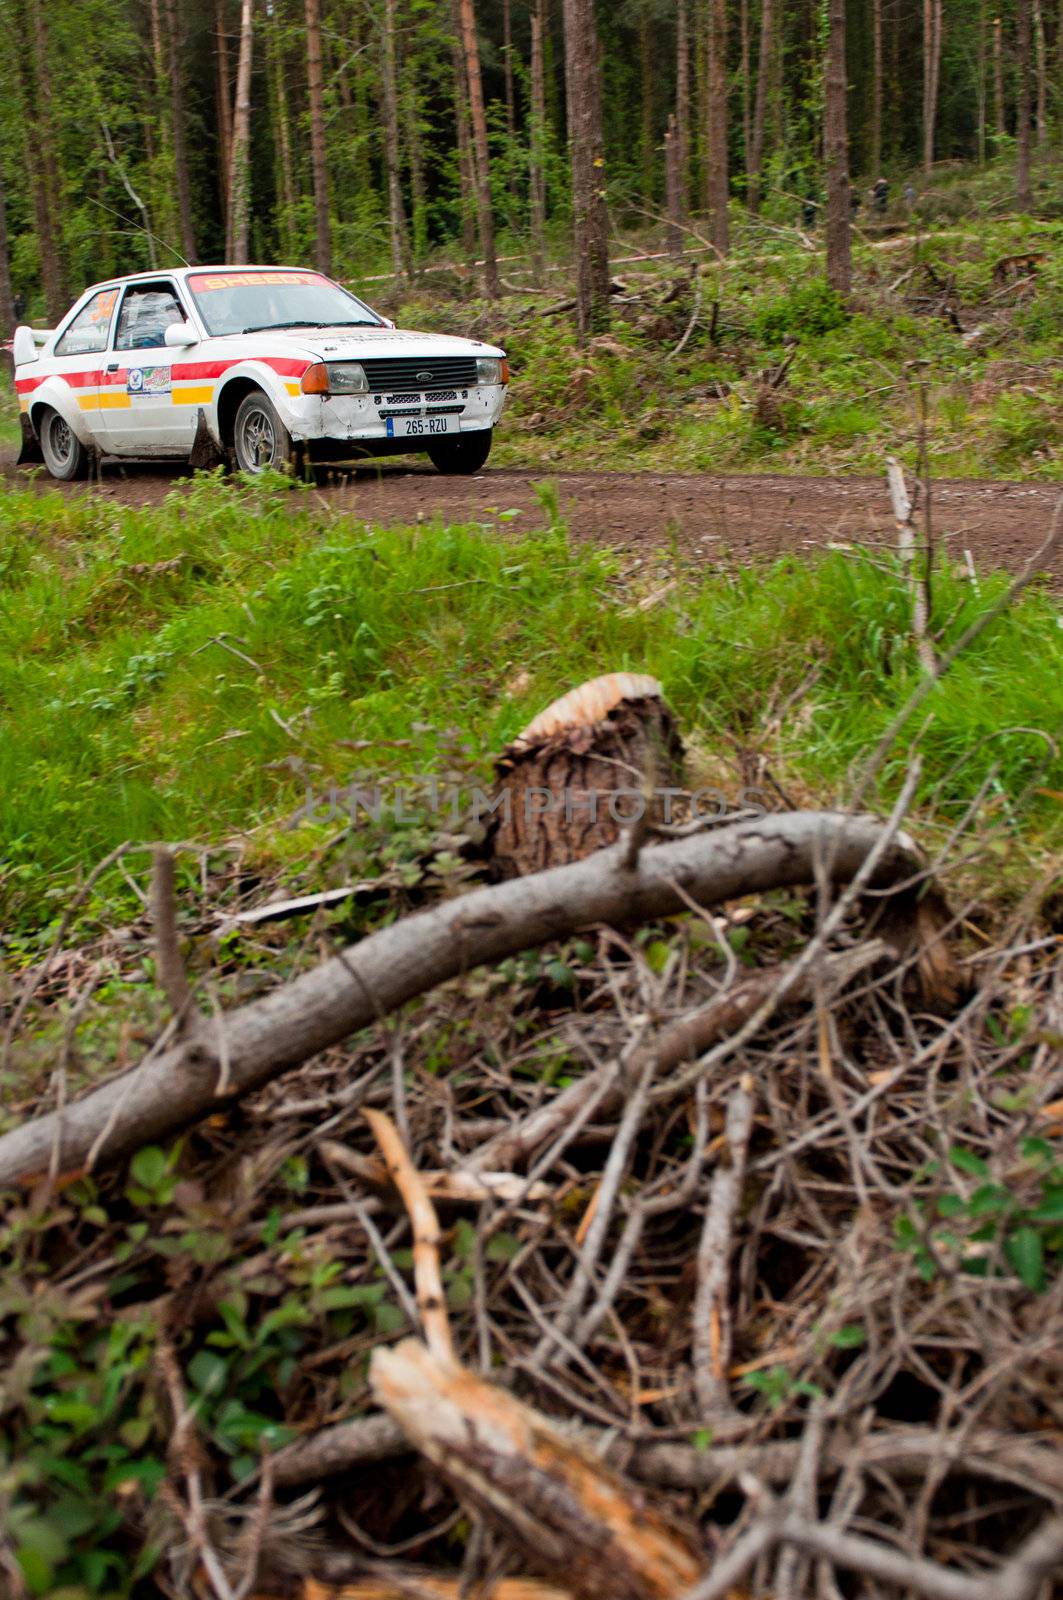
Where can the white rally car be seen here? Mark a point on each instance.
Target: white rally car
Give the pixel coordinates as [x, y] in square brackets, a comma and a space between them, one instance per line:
[263, 366]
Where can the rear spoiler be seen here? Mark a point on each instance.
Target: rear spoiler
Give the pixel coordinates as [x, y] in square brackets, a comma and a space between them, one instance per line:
[27, 342]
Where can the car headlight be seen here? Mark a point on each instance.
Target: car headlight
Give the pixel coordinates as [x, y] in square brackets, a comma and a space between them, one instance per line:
[489, 370]
[347, 377]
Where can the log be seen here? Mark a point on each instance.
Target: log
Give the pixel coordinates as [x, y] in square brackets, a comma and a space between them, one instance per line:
[584, 770]
[173, 1087]
[572, 1517]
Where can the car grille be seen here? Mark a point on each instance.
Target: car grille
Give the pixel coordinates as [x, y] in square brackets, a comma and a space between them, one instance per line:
[402, 372]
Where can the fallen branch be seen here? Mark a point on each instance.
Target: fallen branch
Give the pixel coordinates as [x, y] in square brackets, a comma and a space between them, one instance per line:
[712, 1303]
[571, 1516]
[431, 1299]
[368, 981]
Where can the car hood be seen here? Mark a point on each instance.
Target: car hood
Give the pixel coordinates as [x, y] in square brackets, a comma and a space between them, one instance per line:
[351, 344]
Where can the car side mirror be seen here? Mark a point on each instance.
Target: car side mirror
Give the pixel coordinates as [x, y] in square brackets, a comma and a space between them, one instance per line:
[388, 322]
[179, 335]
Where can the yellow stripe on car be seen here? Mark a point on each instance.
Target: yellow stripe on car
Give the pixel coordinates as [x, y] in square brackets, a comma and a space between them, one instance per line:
[107, 402]
[193, 394]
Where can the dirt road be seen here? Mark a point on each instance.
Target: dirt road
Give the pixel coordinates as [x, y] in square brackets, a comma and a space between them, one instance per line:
[728, 519]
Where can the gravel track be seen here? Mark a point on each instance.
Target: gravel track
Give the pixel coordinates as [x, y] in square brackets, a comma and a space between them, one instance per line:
[730, 519]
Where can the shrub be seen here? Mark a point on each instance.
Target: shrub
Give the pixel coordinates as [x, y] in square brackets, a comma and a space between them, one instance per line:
[810, 308]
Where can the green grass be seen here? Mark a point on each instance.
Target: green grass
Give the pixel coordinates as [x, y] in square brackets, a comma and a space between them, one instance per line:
[186, 672]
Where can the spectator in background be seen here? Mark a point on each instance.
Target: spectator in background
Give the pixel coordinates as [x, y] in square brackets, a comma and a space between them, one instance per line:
[880, 196]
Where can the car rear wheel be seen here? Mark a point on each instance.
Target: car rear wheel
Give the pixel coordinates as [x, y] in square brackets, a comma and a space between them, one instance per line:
[260, 439]
[64, 454]
[462, 452]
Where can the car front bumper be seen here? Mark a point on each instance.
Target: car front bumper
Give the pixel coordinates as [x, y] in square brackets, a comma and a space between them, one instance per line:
[363, 419]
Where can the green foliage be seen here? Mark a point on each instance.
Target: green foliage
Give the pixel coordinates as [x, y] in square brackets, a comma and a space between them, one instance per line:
[810, 308]
[989, 1227]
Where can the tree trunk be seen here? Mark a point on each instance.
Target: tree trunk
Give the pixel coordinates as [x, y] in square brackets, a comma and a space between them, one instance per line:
[755, 163]
[743, 72]
[932, 30]
[318, 155]
[400, 247]
[876, 88]
[223, 102]
[999, 123]
[572, 781]
[836, 142]
[411, 122]
[466, 174]
[1040, 58]
[283, 141]
[7, 298]
[673, 189]
[1024, 192]
[175, 56]
[717, 127]
[239, 206]
[584, 105]
[45, 137]
[481, 155]
[980, 77]
[46, 219]
[511, 99]
[168, 220]
[647, 152]
[682, 103]
[537, 147]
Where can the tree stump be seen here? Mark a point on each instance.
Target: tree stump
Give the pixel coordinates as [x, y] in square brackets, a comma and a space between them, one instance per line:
[587, 767]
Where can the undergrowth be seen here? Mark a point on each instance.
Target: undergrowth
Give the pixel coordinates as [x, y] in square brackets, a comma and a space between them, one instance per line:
[190, 672]
[633, 399]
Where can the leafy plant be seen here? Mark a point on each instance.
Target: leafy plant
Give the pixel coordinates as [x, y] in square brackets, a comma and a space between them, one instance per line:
[994, 1226]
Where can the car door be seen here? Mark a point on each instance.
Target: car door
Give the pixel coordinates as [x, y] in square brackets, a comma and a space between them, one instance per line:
[138, 414]
[80, 353]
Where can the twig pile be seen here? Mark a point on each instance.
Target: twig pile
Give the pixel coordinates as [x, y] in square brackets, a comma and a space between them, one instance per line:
[734, 1220]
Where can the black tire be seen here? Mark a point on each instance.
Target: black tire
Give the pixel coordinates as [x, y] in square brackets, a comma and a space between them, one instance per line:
[260, 439]
[64, 454]
[461, 452]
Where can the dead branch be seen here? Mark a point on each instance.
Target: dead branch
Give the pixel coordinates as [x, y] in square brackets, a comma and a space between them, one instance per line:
[570, 1515]
[431, 1299]
[366, 982]
[1020, 1578]
[712, 1303]
[173, 980]
[392, 1585]
[682, 1041]
[902, 516]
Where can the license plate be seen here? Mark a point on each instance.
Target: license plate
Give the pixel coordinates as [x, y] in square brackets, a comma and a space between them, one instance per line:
[420, 427]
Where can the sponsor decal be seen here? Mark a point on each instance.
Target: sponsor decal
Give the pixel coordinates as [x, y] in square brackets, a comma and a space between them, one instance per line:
[204, 282]
[148, 380]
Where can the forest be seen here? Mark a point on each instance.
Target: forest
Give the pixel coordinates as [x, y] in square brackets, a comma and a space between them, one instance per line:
[389, 132]
[531, 980]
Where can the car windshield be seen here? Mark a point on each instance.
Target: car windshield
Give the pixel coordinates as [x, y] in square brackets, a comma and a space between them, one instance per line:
[251, 302]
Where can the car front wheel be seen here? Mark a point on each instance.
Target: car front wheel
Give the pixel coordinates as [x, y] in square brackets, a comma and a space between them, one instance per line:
[260, 439]
[462, 452]
[64, 454]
